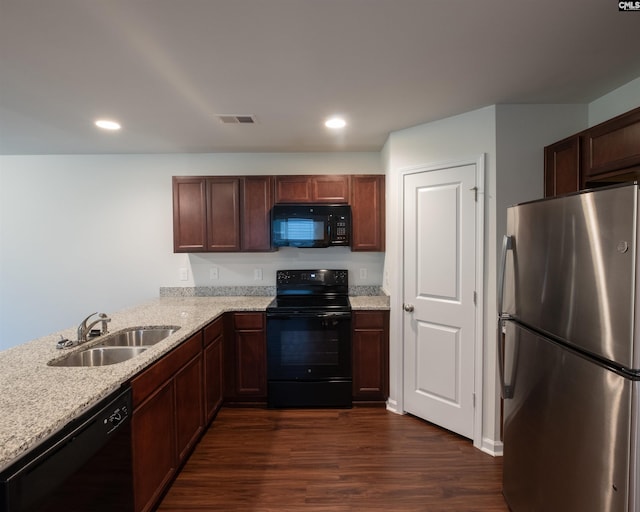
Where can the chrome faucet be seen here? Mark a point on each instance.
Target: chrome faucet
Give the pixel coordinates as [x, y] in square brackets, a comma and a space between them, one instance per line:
[84, 329]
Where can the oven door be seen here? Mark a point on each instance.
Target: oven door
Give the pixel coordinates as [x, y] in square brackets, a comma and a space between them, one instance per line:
[308, 346]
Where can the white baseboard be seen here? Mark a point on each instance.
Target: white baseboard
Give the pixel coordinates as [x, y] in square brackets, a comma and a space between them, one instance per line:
[392, 406]
[493, 448]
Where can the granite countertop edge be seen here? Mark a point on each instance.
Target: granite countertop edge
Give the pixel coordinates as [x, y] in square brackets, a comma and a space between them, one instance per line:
[38, 400]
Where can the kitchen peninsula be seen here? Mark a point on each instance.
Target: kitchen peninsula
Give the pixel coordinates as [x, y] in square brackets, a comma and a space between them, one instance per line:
[39, 399]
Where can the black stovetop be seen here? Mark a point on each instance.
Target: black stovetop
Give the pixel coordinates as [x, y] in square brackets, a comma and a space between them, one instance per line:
[315, 290]
[292, 302]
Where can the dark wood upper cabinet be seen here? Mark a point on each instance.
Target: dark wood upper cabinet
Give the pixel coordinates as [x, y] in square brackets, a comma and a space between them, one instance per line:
[189, 214]
[562, 167]
[332, 189]
[367, 213]
[257, 200]
[606, 153]
[233, 213]
[611, 150]
[222, 213]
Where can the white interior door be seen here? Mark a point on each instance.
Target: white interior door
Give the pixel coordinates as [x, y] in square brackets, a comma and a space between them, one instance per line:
[439, 328]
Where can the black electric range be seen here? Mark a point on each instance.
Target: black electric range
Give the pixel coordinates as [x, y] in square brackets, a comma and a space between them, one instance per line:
[309, 340]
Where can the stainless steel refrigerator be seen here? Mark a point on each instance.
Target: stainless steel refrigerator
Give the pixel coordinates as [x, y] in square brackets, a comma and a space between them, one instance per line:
[569, 346]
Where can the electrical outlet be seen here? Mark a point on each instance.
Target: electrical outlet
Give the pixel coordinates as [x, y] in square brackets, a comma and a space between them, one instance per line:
[183, 274]
[363, 273]
[257, 274]
[214, 273]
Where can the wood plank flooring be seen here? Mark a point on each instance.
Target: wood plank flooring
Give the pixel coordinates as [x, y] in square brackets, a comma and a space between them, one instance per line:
[360, 459]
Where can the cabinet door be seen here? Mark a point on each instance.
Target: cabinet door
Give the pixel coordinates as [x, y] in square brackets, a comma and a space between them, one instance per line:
[223, 214]
[153, 445]
[257, 200]
[250, 355]
[612, 146]
[189, 402]
[370, 355]
[293, 189]
[213, 369]
[367, 213]
[312, 189]
[562, 167]
[330, 189]
[189, 214]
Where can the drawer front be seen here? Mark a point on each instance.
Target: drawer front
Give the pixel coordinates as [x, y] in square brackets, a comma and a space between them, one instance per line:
[153, 377]
[248, 321]
[369, 319]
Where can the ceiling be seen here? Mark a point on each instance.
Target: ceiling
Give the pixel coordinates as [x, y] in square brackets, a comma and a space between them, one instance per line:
[166, 69]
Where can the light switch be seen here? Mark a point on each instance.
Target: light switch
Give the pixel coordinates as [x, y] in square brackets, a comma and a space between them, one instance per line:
[213, 273]
[363, 273]
[257, 274]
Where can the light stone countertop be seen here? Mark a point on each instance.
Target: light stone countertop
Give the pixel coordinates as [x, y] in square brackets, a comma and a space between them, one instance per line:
[37, 400]
[369, 302]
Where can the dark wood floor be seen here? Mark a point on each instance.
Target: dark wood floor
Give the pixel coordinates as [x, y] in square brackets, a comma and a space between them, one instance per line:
[358, 459]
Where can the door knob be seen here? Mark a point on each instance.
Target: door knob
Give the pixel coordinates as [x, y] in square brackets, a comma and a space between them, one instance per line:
[408, 308]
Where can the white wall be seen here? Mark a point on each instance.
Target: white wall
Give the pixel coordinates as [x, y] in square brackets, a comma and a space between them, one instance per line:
[522, 132]
[80, 234]
[617, 102]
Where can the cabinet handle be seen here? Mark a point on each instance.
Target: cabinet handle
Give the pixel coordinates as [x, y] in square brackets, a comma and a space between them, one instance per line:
[408, 308]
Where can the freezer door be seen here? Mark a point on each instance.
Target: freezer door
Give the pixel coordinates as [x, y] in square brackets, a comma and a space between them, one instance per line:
[572, 270]
[567, 430]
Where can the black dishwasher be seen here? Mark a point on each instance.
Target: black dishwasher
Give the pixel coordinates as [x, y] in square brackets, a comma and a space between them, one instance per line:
[84, 467]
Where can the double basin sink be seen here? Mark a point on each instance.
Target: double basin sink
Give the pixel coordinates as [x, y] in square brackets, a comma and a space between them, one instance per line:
[117, 347]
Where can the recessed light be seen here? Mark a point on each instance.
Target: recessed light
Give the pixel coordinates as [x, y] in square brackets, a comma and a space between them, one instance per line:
[106, 124]
[335, 123]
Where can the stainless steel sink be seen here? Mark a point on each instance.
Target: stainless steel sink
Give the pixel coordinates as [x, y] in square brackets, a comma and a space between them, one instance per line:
[99, 356]
[117, 347]
[137, 336]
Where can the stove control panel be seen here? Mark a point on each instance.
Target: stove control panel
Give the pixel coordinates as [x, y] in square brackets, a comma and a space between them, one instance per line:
[315, 277]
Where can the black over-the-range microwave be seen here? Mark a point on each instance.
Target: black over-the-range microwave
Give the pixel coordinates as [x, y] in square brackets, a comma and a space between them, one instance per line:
[310, 225]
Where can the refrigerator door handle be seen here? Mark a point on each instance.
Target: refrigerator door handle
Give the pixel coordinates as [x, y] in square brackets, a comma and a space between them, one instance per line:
[505, 390]
[507, 245]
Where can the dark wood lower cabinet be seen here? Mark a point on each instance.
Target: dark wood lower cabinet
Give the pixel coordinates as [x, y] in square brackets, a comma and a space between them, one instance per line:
[189, 395]
[213, 368]
[167, 419]
[153, 440]
[246, 358]
[370, 341]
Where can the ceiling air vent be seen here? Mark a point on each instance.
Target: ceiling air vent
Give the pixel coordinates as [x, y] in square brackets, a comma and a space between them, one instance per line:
[236, 119]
